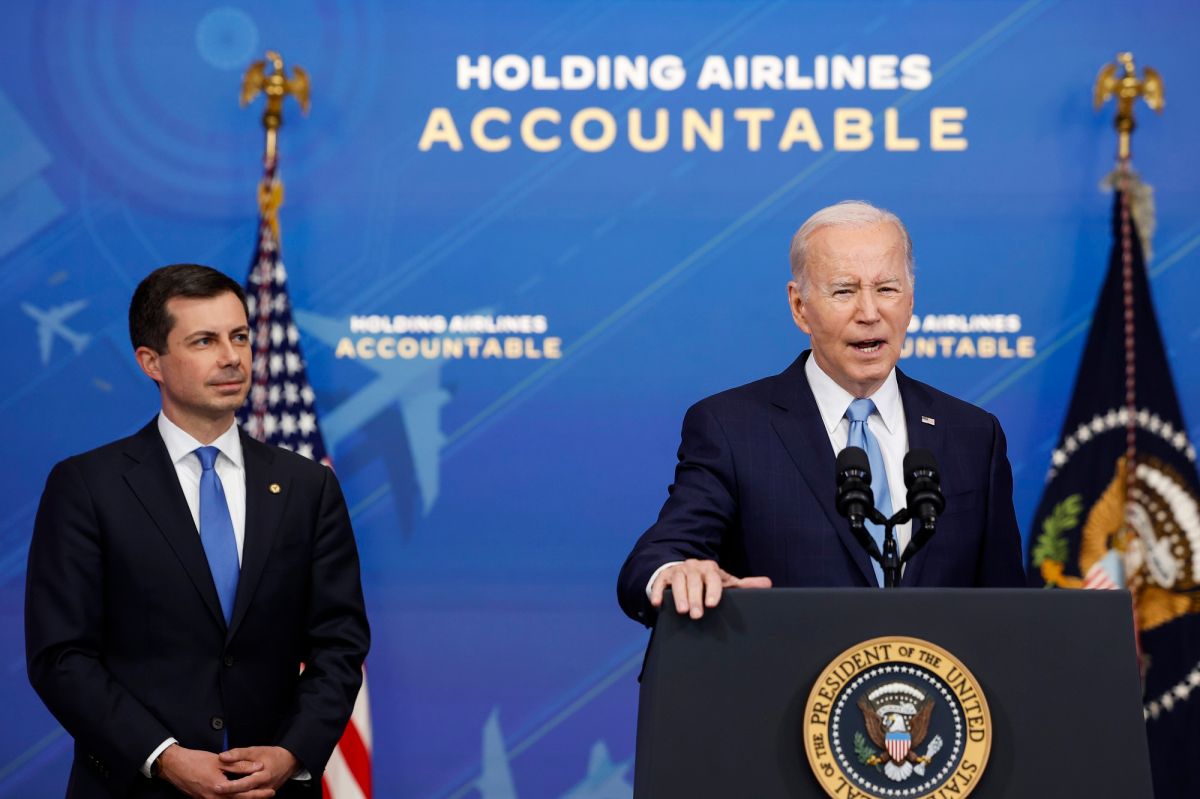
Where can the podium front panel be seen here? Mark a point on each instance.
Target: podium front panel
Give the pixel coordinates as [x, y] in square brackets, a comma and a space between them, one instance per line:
[723, 698]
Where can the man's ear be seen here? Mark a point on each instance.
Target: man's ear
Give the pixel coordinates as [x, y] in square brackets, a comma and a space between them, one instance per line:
[796, 303]
[148, 359]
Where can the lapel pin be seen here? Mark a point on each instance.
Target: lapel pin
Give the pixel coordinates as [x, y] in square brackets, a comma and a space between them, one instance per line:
[929, 420]
[274, 488]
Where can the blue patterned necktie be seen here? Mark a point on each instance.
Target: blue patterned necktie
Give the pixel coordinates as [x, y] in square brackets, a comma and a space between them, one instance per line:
[861, 436]
[216, 531]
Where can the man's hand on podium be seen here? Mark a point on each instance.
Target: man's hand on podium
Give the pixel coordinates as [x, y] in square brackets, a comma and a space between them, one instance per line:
[697, 584]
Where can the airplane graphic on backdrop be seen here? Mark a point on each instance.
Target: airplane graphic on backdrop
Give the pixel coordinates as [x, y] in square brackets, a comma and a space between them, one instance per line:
[51, 323]
[604, 779]
[416, 386]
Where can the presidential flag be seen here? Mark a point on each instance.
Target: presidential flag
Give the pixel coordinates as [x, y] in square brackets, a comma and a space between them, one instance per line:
[281, 410]
[1120, 505]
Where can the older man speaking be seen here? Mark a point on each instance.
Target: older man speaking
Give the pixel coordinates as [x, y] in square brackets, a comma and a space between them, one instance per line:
[752, 504]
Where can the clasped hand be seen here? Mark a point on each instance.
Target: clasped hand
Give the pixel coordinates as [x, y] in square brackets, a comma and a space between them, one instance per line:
[257, 771]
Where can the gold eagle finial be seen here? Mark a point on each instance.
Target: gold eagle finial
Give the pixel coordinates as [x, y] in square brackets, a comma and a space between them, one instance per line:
[1126, 87]
[276, 85]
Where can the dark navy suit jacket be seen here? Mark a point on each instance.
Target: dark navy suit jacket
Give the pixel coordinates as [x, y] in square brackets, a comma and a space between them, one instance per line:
[755, 484]
[125, 638]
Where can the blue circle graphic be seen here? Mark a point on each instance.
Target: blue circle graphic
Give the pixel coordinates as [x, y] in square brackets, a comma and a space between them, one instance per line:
[227, 37]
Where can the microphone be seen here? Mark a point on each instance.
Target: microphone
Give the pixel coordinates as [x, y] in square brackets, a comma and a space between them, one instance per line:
[854, 496]
[855, 499]
[925, 500]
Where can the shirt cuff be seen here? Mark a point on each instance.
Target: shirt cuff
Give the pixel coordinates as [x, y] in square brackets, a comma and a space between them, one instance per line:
[302, 776]
[154, 756]
[654, 576]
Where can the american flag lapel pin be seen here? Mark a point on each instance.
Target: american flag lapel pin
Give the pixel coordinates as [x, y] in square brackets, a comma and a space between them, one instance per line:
[929, 420]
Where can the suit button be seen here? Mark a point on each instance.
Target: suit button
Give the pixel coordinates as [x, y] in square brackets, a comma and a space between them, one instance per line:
[229, 660]
[217, 723]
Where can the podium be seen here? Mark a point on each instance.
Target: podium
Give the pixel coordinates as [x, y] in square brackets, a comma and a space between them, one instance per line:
[725, 699]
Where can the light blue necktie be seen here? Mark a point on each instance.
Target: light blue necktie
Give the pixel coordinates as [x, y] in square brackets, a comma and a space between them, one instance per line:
[216, 531]
[861, 436]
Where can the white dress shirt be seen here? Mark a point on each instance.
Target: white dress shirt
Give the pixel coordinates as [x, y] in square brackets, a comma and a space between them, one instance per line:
[887, 424]
[181, 448]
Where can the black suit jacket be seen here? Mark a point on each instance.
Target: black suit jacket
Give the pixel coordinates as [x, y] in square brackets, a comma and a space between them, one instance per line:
[125, 639]
[754, 490]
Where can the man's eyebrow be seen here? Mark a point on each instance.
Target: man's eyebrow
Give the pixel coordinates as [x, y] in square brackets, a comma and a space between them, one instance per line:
[214, 334]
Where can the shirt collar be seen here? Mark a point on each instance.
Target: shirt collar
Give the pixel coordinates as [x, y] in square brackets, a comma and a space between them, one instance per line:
[833, 400]
[181, 444]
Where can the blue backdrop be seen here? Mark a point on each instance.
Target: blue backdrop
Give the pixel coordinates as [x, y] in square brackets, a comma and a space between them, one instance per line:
[495, 498]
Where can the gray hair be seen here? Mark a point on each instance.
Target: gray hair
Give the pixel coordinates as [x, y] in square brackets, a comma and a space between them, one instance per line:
[846, 214]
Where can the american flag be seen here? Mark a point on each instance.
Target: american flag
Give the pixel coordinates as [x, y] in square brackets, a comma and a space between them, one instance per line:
[281, 410]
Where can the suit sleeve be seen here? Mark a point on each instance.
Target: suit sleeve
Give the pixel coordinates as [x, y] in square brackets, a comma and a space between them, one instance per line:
[1000, 561]
[338, 637]
[701, 506]
[64, 630]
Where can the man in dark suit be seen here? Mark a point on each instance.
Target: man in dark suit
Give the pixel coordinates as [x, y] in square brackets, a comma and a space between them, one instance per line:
[179, 580]
[752, 504]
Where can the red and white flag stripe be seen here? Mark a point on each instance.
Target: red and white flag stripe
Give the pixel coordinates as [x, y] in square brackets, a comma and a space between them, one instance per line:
[898, 748]
[348, 772]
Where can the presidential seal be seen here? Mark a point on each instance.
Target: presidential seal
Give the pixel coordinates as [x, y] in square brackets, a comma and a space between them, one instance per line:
[897, 717]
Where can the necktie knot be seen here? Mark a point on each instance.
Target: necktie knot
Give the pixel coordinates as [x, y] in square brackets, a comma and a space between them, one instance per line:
[207, 456]
[860, 409]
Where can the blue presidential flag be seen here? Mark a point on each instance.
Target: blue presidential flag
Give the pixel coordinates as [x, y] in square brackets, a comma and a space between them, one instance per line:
[1120, 505]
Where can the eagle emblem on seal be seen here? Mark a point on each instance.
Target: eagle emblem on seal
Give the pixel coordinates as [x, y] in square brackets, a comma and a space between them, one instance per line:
[896, 715]
[1142, 533]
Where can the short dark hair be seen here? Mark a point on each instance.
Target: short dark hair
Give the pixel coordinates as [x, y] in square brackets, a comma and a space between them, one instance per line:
[149, 321]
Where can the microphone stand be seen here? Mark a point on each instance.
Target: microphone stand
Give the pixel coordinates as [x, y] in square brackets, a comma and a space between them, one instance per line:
[855, 502]
[890, 560]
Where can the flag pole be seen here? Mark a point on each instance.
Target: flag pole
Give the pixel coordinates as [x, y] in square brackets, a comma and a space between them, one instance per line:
[1120, 80]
